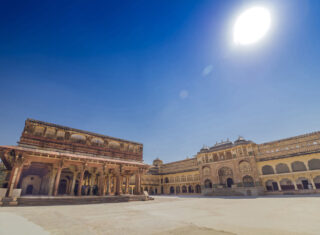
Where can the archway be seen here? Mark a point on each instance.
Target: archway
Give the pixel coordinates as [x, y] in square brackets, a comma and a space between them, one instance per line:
[286, 185]
[198, 188]
[171, 190]
[229, 182]
[316, 181]
[248, 181]
[225, 176]
[62, 187]
[207, 183]
[272, 185]
[303, 183]
[298, 166]
[29, 189]
[314, 164]
[282, 168]
[190, 189]
[184, 189]
[267, 170]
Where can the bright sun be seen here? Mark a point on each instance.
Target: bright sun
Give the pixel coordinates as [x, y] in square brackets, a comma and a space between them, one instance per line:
[251, 25]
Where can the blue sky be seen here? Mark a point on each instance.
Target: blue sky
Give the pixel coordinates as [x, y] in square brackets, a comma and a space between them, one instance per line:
[136, 70]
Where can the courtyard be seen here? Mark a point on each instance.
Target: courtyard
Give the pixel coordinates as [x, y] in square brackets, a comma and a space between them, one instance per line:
[171, 215]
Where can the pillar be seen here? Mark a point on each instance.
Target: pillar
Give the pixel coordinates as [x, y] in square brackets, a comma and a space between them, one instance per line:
[114, 184]
[104, 188]
[118, 185]
[295, 184]
[18, 177]
[12, 180]
[127, 184]
[92, 181]
[312, 182]
[109, 184]
[138, 184]
[80, 183]
[51, 181]
[279, 186]
[74, 178]
[57, 181]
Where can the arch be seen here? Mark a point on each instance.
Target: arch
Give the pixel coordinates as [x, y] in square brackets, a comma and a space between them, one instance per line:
[190, 189]
[198, 188]
[298, 166]
[34, 180]
[184, 189]
[314, 164]
[282, 168]
[286, 184]
[271, 185]
[225, 173]
[229, 182]
[316, 181]
[166, 180]
[29, 189]
[248, 181]
[207, 183]
[171, 190]
[244, 167]
[267, 170]
[178, 189]
[62, 187]
[303, 183]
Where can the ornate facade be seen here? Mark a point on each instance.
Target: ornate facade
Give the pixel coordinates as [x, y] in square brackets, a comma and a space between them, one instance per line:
[242, 167]
[56, 160]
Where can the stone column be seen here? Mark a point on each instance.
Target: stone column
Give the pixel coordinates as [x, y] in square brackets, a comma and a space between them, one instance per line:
[18, 177]
[138, 184]
[74, 178]
[109, 184]
[80, 183]
[295, 184]
[118, 184]
[57, 181]
[312, 182]
[127, 184]
[104, 188]
[114, 184]
[279, 186]
[51, 181]
[92, 181]
[13, 176]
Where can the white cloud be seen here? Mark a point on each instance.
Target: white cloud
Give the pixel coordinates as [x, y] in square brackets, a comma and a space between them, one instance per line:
[183, 94]
[207, 70]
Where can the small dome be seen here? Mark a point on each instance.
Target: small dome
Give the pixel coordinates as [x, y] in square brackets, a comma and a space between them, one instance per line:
[157, 162]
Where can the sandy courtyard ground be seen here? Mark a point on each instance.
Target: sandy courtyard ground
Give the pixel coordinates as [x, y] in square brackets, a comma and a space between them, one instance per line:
[170, 215]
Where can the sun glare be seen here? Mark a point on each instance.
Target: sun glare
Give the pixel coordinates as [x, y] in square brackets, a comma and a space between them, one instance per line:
[251, 25]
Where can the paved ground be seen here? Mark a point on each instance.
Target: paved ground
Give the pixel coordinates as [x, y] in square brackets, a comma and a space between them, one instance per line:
[170, 215]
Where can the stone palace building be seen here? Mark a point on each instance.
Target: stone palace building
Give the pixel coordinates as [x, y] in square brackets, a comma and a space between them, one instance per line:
[56, 160]
[242, 167]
